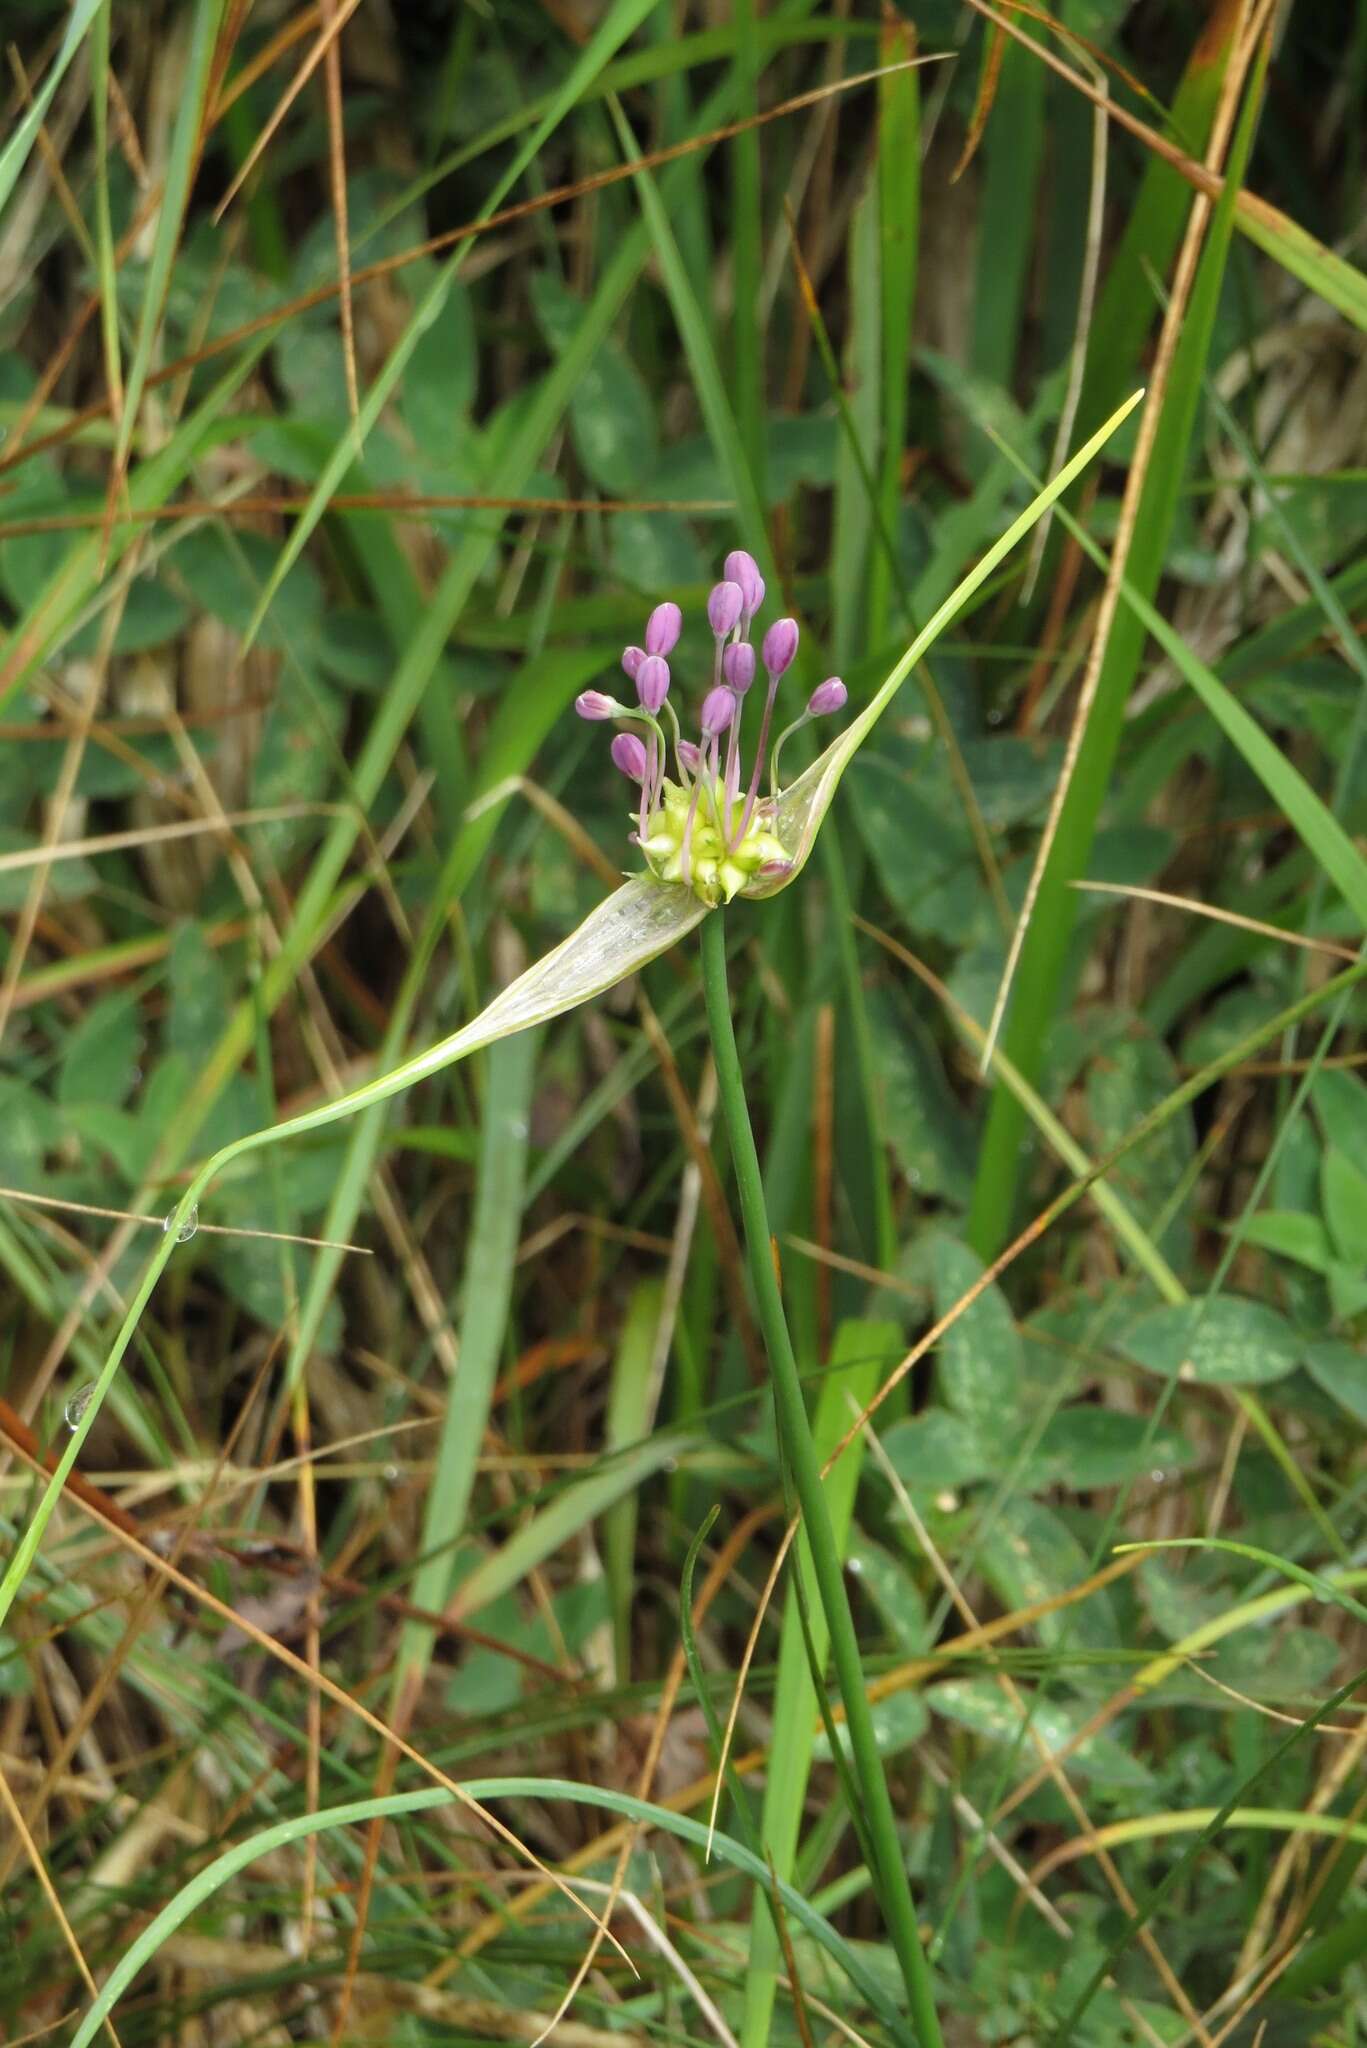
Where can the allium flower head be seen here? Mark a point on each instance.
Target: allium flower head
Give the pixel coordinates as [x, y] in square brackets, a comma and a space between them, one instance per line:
[663, 628]
[707, 826]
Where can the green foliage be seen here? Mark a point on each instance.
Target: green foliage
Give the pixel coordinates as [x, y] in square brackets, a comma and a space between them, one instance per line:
[454, 1459]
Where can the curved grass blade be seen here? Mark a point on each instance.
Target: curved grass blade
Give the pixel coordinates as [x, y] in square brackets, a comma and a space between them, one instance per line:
[639, 921]
[145, 1947]
[1314, 1582]
[15, 153]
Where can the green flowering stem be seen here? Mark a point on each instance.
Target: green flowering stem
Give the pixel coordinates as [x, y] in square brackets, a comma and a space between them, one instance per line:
[890, 1873]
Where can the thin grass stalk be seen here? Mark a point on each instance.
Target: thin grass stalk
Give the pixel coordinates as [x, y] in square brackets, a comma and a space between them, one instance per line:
[894, 1888]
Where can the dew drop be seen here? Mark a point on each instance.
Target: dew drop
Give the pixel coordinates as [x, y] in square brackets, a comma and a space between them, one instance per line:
[391, 1475]
[187, 1228]
[518, 1127]
[77, 1405]
[1158, 1477]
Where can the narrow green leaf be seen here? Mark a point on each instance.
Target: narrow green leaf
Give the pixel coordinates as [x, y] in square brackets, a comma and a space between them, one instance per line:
[857, 1360]
[805, 802]
[149, 1941]
[490, 1258]
[15, 153]
[181, 161]
[1045, 951]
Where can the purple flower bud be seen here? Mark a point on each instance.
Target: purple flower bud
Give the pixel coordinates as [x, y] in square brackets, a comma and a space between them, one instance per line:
[724, 608]
[632, 657]
[780, 645]
[663, 628]
[718, 709]
[629, 754]
[828, 696]
[690, 755]
[738, 666]
[652, 682]
[744, 569]
[595, 704]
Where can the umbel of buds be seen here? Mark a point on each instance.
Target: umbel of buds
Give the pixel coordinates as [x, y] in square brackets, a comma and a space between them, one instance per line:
[707, 826]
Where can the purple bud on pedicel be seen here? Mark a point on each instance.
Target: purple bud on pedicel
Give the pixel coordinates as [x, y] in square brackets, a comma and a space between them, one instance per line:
[663, 628]
[652, 682]
[827, 697]
[594, 704]
[629, 754]
[744, 569]
[691, 755]
[780, 645]
[724, 608]
[632, 657]
[718, 709]
[738, 666]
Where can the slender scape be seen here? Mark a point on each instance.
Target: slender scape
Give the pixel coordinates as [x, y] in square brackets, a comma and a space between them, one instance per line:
[893, 1885]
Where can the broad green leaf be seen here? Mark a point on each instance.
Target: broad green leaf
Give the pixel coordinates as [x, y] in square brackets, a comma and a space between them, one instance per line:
[1292, 1234]
[1229, 1341]
[1340, 1101]
[1029, 1553]
[923, 1123]
[898, 1722]
[981, 1705]
[612, 416]
[1341, 1369]
[981, 1368]
[1343, 1189]
[1129, 1077]
[935, 1450]
[99, 1063]
[1086, 1447]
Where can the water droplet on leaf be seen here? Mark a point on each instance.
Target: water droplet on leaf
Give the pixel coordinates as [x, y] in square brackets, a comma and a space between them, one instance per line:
[187, 1228]
[77, 1405]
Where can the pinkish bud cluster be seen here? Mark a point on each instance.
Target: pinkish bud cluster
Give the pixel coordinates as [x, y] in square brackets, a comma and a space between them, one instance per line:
[708, 827]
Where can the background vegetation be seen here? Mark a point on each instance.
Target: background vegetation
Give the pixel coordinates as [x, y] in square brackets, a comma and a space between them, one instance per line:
[317, 508]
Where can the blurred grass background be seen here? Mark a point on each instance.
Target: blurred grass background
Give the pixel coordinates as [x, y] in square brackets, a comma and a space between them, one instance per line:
[360, 392]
